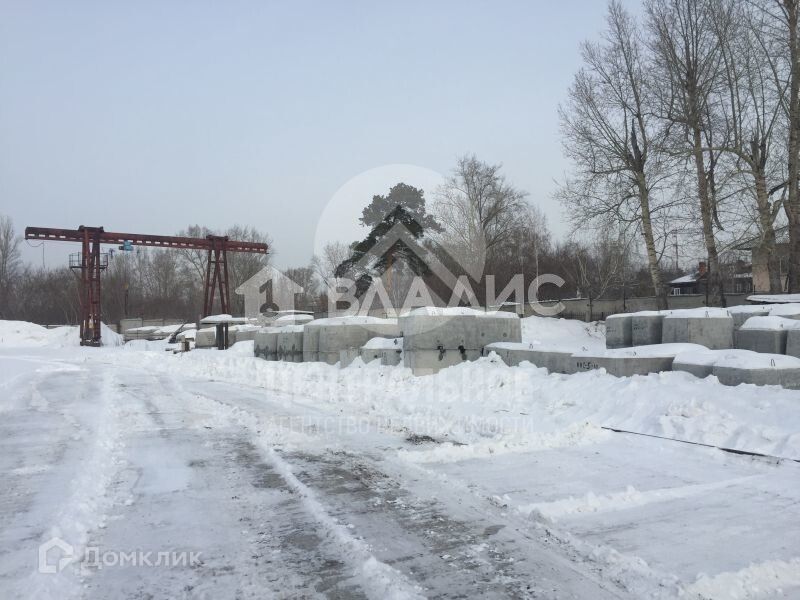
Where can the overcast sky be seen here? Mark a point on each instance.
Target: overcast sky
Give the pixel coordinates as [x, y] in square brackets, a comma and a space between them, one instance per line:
[150, 116]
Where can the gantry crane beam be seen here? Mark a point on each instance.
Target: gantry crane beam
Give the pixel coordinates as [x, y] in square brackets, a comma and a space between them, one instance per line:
[91, 264]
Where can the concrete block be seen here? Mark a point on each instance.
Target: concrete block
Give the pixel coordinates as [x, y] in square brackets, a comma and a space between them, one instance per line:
[712, 328]
[624, 366]
[290, 343]
[626, 362]
[311, 340]
[646, 328]
[470, 329]
[242, 334]
[619, 331]
[793, 343]
[785, 377]
[734, 367]
[769, 341]
[206, 338]
[339, 336]
[388, 351]
[428, 362]
[266, 343]
[348, 355]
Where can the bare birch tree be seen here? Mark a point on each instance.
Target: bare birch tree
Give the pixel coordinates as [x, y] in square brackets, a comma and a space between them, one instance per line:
[610, 135]
[686, 60]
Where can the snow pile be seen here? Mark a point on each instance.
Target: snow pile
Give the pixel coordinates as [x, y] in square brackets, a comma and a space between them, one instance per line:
[379, 343]
[565, 334]
[292, 319]
[771, 323]
[774, 298]
[21, 334]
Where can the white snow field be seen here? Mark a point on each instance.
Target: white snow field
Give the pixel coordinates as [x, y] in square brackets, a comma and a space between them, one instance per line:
[219, 475]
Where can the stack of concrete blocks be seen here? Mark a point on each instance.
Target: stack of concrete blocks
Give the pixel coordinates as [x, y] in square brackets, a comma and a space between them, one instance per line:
[206, 338]
[341, 339]
[389, 351]
[735, 367]
[552, 358]
[435, 338]
[709, 327]
[266, 343]
[313, 329]
[766, 334]
[290, 343]
[626, 362]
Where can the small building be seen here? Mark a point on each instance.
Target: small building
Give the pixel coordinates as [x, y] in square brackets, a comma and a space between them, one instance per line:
[691, 283]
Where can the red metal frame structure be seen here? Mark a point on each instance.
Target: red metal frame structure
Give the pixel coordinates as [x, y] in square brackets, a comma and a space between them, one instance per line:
[92, 262]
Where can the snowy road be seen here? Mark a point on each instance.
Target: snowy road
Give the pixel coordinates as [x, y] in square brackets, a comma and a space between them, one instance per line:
[276, 494]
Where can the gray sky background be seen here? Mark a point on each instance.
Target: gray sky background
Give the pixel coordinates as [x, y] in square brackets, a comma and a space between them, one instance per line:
[150, 116]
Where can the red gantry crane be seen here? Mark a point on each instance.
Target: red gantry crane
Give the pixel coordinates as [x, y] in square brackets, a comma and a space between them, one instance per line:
[91, 262]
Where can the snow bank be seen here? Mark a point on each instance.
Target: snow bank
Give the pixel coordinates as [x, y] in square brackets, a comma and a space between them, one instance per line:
[771, 323]
[563, 334]
[774, 298]
[21, 334]
[492, 408]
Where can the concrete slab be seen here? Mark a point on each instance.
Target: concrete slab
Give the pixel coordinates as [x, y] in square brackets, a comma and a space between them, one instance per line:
[619, 331]
[626, 362]
[735, 367]
[554, 359]
[266, 343]
[428, 362]
[709, 327]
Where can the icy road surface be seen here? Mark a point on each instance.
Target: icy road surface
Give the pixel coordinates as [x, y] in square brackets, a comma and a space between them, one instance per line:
[247, 487]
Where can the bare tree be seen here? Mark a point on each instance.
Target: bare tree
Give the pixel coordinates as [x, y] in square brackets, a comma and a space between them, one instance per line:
[686, 59]
[611, 136]
[333, 254]
[9, 262]
[749, 118]
[478, 209]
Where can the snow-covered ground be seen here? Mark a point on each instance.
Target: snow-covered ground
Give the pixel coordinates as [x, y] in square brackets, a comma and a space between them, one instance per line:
[267, 479]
